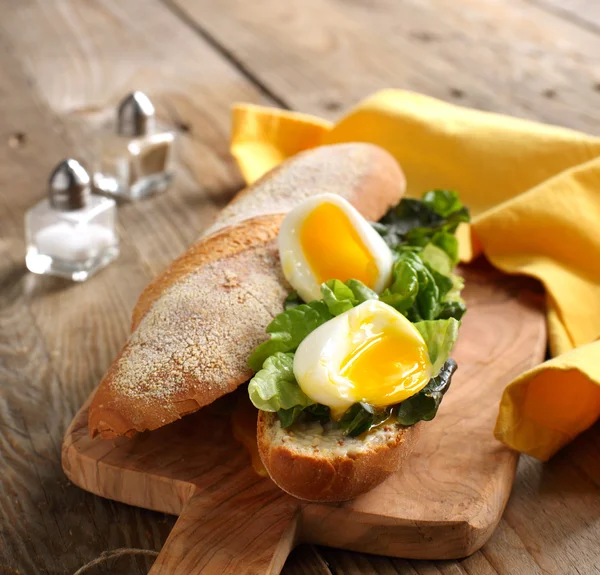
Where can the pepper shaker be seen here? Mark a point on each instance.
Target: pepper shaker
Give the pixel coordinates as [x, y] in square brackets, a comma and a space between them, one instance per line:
[72, 232]
[134, 155]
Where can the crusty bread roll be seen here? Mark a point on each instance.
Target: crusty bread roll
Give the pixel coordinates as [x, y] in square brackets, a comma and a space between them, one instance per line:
[314, 463]
[195, 325]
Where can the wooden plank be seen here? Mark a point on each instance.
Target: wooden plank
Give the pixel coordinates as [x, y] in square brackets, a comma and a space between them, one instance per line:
[306, 560]
[94, 53]
[554, 510]
[46, 522]
[506, 56]
[54, 334]
[108, 24]
[321, 57]
[583, 12]
[443, 503]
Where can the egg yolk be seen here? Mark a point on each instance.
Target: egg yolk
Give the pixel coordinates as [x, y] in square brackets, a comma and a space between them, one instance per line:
[387, 368]
[334, 249]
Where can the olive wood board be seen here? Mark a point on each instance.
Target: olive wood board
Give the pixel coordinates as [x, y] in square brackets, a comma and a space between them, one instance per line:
[444, 503]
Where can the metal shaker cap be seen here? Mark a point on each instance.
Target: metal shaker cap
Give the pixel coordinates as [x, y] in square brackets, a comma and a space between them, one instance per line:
[135, 115]
[69, 186]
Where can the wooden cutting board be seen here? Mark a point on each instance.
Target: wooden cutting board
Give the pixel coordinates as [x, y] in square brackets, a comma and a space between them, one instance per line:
[444, 503]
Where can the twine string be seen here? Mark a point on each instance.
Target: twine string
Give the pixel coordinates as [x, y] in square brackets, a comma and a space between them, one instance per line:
[115, 554]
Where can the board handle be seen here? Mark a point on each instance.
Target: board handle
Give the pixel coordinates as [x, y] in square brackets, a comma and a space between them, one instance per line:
[251, 530]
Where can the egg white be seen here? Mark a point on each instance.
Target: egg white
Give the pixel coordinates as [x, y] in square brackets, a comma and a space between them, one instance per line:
[318, 359]
[296, 268]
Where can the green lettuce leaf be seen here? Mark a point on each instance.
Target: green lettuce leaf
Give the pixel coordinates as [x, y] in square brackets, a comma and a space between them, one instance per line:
[288, 329]
[416, 223]
[343, 296]
[437, 259]
[447, 242]
[274, 387]
[447, 205]
[440, 336]
[444, 285]
[315, 412]
[407, 215]
[422, 281]
[442, 202]
[424, 405]
[288, 417]
[424, 288]
[338, 297]
[428, 295]
[361, 417]
[361, 292]
[403, 291]
[292, 300]
[453, 305]
[452, 309]
[458, 283]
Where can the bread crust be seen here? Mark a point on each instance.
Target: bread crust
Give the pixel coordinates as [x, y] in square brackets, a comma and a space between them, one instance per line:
[171, 367]
[196, 324]
[364, 174]
[313, 474]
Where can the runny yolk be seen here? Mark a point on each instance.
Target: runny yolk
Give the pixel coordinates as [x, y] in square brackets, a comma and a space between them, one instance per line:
[334, 249]
[387, 368]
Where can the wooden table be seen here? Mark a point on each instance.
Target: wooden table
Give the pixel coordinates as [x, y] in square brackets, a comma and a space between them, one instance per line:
[63, 61]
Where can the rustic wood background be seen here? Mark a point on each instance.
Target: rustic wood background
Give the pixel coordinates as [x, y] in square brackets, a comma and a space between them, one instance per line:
[63, 61]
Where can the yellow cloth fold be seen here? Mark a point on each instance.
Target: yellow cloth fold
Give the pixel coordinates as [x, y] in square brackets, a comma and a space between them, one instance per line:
[264, 137]
[534, 195]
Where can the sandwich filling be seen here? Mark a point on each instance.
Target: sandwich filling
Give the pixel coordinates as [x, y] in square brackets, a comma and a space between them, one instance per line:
[370, 354]
[373, 346]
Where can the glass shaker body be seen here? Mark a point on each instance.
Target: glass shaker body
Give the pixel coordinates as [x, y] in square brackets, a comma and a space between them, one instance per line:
[133, 168]
[72, 244]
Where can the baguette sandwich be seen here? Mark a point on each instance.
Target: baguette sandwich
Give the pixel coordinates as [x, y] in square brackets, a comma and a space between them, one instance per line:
[343, 328]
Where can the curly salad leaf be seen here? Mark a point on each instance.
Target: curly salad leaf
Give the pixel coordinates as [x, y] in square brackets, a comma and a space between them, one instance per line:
[424, 405]
[288, 329]
[440, 336]
[424, 288]
[417, 223]
[274, 387]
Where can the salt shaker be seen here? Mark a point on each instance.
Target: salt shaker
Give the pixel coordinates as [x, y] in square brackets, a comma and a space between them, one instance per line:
[134, 155]
[72, 232]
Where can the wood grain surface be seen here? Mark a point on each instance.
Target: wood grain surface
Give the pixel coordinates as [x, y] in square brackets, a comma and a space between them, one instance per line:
[509, 56]
[582, 12]
[444, 503]
[62, 61]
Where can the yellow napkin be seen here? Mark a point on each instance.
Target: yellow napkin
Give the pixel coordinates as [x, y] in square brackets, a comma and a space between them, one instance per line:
[534, 195]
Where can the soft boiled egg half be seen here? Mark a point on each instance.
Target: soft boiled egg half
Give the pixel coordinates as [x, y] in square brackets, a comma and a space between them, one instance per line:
[370, 354]
[326, 238]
